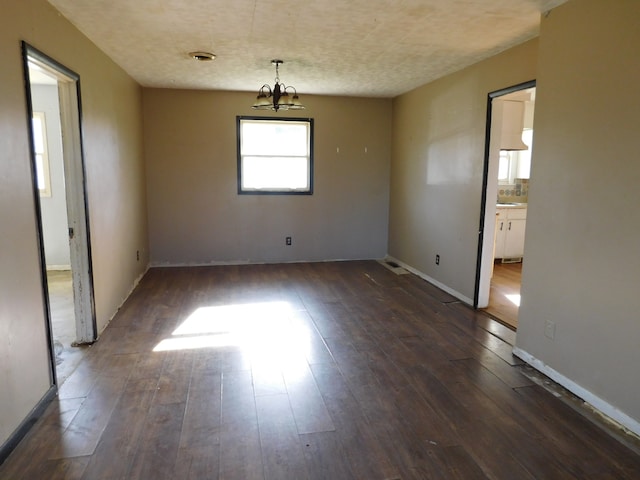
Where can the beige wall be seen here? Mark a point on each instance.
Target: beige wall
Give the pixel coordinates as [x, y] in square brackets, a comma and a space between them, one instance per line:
[115, 182]
[583, 224]
[196, 215]
[437, 165]
[582, 268]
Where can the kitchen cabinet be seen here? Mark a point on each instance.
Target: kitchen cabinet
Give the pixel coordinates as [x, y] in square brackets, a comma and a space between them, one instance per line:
[512, 125]
[510, 229]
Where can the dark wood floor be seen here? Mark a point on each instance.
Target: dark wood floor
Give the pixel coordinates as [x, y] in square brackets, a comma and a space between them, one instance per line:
[504, 295]
[307, 371]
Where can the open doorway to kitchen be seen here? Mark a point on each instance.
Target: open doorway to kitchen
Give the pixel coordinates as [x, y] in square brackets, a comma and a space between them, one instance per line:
[53, 98]
[507, 165]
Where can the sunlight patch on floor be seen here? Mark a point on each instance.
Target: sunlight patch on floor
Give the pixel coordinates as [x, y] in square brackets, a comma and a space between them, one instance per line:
[515, 299]
[266, 332]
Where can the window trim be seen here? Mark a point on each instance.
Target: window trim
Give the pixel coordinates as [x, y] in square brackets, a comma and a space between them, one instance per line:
[239, 119]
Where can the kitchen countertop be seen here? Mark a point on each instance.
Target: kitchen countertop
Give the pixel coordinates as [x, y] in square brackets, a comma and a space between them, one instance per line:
[511, 205]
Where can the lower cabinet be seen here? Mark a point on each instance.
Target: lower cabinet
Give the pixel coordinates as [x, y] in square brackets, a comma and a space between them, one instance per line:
[510, 227]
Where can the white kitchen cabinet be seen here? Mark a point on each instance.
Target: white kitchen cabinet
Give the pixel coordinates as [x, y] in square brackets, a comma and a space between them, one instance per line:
[510, 229]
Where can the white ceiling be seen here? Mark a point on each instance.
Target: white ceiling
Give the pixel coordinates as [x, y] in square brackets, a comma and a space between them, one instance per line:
[373, 48]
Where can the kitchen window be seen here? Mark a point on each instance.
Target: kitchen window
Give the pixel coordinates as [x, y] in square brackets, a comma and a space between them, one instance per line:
[515, 163]
[275, 156]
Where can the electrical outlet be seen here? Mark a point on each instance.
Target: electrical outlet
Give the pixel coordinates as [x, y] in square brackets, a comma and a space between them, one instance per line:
[437, 259]
[549, 329]
[287, 240]
[138, 255]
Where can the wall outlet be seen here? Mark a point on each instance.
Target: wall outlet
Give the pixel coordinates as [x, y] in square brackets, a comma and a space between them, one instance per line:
[287, 240]
[549, 329]
[437, 259]
[138, 255]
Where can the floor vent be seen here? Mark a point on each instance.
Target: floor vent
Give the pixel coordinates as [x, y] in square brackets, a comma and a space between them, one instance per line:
[394, 267]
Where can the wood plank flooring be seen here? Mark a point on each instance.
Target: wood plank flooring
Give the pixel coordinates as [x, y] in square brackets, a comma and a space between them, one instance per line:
[504, 295]
[308, 371]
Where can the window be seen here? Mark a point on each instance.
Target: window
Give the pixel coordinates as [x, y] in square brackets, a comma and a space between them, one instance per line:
[275, 155]
[515, 164]
[42, 158]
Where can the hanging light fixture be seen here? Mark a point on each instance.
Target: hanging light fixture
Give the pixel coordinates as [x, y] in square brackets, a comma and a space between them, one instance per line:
[279, 97]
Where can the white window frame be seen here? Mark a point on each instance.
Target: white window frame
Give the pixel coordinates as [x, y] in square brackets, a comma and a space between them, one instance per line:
[43, 177]
[244, 159]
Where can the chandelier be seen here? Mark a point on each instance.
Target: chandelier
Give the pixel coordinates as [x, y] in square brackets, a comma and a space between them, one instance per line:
[279, 97]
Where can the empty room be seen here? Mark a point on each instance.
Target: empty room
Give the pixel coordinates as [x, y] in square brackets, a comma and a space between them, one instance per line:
[265, 239]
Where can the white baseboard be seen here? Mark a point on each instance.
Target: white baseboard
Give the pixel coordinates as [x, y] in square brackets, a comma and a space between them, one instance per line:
[602, 406]
[215, 263]
[431, 280]
[58, 267]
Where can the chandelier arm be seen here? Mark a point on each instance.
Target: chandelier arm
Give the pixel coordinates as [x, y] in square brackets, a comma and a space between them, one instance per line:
[262, 89]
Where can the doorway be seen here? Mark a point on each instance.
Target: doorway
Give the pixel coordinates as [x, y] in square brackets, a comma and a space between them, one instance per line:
[509, 139]
[53, 101]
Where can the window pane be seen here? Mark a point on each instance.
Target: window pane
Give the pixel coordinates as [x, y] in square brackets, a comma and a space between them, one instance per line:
[524, 157]
[279, 173]
[40, 172]
[38, 135]
[274, 138]
[40, 149]
[503, 166]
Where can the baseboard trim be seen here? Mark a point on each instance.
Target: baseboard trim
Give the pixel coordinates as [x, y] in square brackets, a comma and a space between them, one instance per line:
[55, 268]
[431, 280]
[251, 262]
[24, 427]
[602, 406]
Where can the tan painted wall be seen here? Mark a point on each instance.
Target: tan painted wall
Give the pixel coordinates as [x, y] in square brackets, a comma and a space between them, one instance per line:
[582, 269]
[196, 215]
[114, 161]
[437, 164]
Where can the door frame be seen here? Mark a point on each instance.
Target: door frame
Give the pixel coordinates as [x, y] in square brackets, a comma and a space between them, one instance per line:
[486, 229]
[76, 197]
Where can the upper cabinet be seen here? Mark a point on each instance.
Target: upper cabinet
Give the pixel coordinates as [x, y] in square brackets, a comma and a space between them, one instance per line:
[512, 125]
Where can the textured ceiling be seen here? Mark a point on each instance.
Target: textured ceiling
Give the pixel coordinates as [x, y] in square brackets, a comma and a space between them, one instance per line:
[374, 48]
